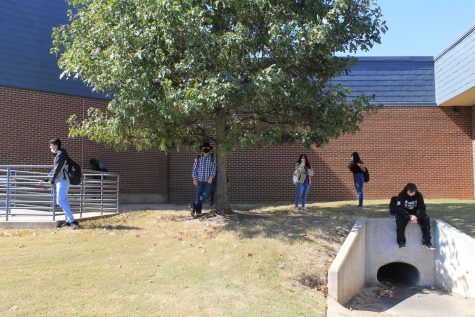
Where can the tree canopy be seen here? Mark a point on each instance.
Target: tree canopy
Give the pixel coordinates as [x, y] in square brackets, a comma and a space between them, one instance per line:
[241, 73]
[171, 67]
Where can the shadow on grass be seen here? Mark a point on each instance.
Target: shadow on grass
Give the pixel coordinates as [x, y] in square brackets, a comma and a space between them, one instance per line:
[110, 227]
[332, 223]
[321, 223]
[459, 215]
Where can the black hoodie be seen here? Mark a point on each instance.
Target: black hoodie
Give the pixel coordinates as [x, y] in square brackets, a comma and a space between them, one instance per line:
[414, 205]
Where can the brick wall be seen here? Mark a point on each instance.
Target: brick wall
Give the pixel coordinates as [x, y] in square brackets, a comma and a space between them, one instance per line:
[430, 146]
[29, 119]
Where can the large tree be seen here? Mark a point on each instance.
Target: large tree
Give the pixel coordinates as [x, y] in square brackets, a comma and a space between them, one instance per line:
[242, 73]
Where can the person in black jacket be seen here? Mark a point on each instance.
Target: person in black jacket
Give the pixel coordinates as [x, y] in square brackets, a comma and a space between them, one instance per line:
[59, 178]
[358, 168]
[409, 206]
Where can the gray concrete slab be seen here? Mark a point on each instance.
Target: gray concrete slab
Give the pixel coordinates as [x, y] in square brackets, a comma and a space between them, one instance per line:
[410, 301]
[27, 218]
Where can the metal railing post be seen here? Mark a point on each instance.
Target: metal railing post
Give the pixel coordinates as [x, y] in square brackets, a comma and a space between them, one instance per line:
[53, 198]
[81, 198]
[22, 196]
[117, 197]
[7, 197]
[102, 193]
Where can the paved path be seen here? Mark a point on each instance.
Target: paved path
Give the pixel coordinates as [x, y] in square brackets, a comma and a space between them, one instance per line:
[408, 302]
[27, 218]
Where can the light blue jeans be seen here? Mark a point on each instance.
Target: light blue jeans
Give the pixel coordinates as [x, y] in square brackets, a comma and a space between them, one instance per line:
[62, 188]
[302, 191]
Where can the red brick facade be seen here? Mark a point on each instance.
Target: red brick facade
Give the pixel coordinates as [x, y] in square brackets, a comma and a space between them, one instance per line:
[29, 119]
[431, 146]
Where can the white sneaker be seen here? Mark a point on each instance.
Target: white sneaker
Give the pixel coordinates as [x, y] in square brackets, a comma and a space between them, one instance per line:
[305, 209]
[296, 209]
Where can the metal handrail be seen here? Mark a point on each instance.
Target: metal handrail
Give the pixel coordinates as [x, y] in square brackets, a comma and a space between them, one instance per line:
[21, 194]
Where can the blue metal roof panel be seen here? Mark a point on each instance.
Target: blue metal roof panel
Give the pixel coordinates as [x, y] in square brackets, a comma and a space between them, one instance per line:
[25, 60]
[25, 43]
[393, 80]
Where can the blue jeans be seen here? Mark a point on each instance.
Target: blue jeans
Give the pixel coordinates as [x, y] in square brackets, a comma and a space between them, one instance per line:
[62, 188]
[302, 191]
[202, 192]
[359, 182]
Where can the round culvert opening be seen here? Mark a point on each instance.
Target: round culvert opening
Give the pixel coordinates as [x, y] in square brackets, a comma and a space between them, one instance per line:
[398, 273]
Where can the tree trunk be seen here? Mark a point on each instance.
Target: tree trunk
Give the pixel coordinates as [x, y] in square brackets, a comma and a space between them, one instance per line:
[222, 201]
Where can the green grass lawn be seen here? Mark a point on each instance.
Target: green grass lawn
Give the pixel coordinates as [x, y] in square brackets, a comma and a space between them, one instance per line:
[263, 261]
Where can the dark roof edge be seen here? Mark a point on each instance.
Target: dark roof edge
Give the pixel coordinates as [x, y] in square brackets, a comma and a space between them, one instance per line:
[456, 42]
[56, 92]
[396, 58]
[406, 103]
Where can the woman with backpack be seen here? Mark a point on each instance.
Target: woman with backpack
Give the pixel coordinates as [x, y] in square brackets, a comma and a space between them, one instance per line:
[358, 168]
[302, 173]
[59, 178]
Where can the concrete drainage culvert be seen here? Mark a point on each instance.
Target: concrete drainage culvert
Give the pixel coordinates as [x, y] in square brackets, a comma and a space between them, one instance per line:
[398, 274]
[371, 274]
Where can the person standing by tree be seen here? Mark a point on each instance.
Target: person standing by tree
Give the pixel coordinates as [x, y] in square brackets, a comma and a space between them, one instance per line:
[59, 178]
[272, 87]
[303, 170]
[203, 173]
[358, 169]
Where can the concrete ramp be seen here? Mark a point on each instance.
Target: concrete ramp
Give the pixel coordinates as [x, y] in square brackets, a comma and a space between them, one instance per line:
[370, 256]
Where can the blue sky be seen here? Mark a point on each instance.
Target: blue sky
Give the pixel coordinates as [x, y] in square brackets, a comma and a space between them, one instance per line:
[422, 27]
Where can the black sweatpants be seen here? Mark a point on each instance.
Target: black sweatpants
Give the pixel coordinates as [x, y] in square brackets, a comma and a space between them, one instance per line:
[401, 223]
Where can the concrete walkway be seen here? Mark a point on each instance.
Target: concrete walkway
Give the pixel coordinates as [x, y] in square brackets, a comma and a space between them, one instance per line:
[413, 301]
[26, 218]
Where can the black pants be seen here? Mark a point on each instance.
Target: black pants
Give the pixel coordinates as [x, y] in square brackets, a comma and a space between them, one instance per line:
[401, 223]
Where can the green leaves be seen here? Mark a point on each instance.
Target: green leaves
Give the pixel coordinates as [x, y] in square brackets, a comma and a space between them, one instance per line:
[173, 67]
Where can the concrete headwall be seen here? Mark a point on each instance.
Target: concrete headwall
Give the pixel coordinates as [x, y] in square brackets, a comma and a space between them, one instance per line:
[454, 260]
[346, 275]
[382, 249]
[372, 244]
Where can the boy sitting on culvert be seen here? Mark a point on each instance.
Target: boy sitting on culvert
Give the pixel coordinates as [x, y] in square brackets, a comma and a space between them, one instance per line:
[409, 206]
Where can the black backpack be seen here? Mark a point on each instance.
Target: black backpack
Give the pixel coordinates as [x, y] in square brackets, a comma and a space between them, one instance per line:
[366, 176]
[73, 170]
[395, 206]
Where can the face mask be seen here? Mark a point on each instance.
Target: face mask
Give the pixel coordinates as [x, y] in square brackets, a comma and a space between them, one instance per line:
[205, 150]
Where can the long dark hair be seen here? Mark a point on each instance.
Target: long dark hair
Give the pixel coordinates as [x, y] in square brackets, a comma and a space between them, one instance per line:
[307, 163]
[356, 157]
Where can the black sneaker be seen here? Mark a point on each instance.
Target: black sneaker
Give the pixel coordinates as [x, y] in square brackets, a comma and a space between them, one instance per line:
[428, 246]
[402, 245]
[74, 225]
[65, 224]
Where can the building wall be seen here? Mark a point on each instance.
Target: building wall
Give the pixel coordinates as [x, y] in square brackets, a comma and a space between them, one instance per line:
[430, 146]
[25, 44]
[473, 144]
[29, 119]
[455, 68]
